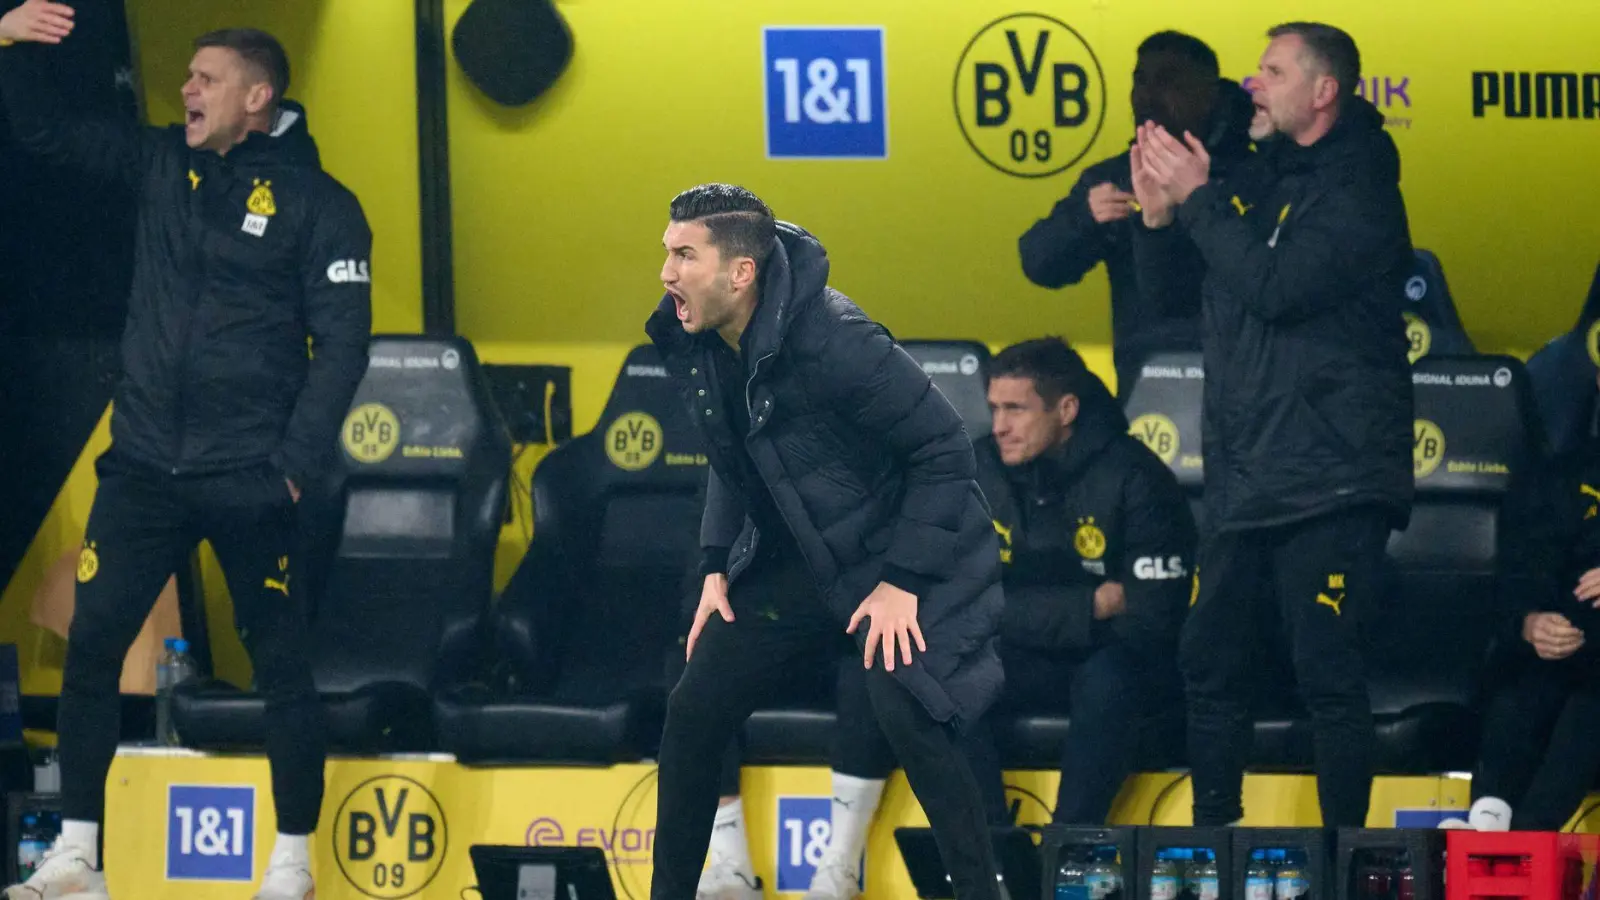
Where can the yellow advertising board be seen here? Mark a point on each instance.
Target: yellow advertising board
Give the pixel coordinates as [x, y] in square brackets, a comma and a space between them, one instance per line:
[184, 826]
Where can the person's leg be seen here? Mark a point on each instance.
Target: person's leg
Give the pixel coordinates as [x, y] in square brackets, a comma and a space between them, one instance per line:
[731, 866]
[735, 666]
[135, 540]
[250, 521]
[1567, 772]
[1213, 654]
[1524, 702]
[942, 781]
[1109, 699]
[862, 761]
[1328, 573]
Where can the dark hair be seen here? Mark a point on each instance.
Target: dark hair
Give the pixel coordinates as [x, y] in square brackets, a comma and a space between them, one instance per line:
[1186, 46]
[1055, 368]
[739, 223]
[1332, 48]
[260, 50]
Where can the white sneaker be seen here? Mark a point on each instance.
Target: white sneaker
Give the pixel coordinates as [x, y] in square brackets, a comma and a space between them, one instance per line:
[1455, 824]
[286, 880]
[65, 874]
[834, 881]
[724, 881]
[1490, 814]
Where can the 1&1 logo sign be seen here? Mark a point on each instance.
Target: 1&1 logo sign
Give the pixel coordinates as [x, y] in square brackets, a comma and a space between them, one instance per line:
[1030, 95]
[805, 825]
[390, 837]
[825, 93]
[211, 833]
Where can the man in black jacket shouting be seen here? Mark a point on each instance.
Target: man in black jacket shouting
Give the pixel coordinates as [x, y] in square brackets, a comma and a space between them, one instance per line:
[1176, 82]
[246, 253]
[1307, 410]
[841, 496]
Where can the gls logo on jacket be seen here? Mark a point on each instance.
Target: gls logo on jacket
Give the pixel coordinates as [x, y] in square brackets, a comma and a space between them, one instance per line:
[349, 270]
[1154, 568]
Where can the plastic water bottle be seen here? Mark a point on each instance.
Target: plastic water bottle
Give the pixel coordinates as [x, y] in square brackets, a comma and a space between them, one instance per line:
[1292, 883]
[1104, 875]
[1203, 876]
[31, 845]
[173, 669]
[1070, 880]
[1164, 878]
[1258, 877]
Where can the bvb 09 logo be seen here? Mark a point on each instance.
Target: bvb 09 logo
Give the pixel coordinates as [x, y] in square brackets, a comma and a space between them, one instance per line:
[390, 837]
[1030, 95]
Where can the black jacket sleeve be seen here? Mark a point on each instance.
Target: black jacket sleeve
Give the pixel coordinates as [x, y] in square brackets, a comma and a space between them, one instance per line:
[1061, 248]
[1048, 616]
[1158, 556]
[102, 146]
[1538, 524]
[337, 293]
[1322, 253]
[1158, 256]
[720, 524]
[877, 386]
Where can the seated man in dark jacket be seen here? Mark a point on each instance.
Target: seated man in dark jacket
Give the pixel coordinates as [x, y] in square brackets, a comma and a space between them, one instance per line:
[1542, 727]
[1095, 546]
[1176, 82]
[1306, 420]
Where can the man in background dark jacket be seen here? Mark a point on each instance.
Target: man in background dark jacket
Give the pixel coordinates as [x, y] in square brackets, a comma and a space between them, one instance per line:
[246, 251]
[1096, 542]
[1307, 410]
[1176, 82]
[1542, 725]
[841, 492]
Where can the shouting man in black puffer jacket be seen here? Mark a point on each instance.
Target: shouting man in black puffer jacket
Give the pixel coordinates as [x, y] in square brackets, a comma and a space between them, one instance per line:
[1307, 411]
[841, 496]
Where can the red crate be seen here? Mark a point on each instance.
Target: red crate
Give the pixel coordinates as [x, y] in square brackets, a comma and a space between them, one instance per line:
[1535, 865]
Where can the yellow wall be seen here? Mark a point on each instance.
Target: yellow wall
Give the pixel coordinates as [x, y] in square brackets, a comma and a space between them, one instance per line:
[559, 205]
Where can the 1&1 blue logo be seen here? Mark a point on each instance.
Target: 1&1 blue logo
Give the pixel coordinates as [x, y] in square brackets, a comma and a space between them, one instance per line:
[805, 825]
[825, 93]
[211, 833]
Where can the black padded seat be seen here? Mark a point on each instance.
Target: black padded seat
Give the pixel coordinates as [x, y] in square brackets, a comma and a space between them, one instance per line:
[425, 460]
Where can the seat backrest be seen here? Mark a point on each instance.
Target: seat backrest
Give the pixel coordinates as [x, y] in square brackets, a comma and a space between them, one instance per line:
[1563, 373]
[425, 458]
[1433, 324]
[616, 532]
[960, 370]
[1473, 432]
[1163, 408]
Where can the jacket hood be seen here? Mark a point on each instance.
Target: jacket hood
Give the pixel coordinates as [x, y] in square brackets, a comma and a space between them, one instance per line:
[1357, 142]
[796, 275]
[289, 141]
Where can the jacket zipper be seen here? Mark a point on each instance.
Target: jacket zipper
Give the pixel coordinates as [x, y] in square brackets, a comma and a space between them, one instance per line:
[198, 281]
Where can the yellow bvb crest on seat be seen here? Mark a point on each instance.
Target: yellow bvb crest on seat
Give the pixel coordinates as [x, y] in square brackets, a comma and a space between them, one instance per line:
[261, 201]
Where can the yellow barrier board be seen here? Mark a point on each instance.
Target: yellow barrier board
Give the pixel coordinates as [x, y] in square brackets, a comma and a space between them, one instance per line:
[183, 826]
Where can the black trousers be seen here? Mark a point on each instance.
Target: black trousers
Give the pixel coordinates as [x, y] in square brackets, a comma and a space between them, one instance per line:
[779, 620]
[1321, 573]
[1541, 737]
[142, 527]
[1112, 695]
